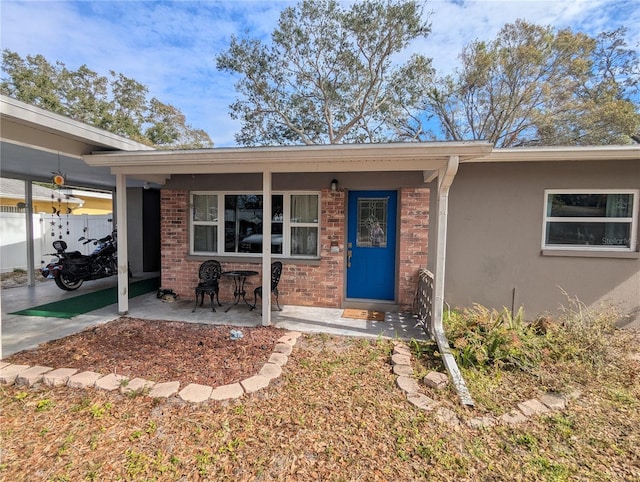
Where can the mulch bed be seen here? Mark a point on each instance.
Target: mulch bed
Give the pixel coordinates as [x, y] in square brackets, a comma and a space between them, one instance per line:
[160, 351]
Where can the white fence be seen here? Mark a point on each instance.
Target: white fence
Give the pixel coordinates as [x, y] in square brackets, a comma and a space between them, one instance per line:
[13, 236]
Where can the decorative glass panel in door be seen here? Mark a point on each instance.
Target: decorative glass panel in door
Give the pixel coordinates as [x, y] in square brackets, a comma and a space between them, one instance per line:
[372, 222]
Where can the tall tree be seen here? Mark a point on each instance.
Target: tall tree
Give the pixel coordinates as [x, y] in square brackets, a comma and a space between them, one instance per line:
[84, 95]
[33, 80]
[328, 74]
[116, 103]
[168, 127]
[534, 85]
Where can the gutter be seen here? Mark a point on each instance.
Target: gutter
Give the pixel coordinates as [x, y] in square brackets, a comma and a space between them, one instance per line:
[445, 179]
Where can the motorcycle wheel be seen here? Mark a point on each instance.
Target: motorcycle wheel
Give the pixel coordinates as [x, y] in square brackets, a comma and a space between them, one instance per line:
[68, 284]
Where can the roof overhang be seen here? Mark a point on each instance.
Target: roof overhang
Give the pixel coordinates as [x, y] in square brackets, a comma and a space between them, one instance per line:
[317, 158]
[563, 153]
[429, 157]
[36, 142]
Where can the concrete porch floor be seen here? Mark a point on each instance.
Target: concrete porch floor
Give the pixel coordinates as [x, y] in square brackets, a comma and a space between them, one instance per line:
[26, 332]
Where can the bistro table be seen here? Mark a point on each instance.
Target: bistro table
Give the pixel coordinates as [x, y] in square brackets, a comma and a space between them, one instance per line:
[239, 278]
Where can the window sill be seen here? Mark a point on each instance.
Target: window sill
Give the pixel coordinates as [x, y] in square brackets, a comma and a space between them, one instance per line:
[253, 259]
[575, 253]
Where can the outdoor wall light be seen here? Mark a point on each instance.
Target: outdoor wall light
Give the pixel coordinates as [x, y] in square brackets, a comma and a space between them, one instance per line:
[334, 185]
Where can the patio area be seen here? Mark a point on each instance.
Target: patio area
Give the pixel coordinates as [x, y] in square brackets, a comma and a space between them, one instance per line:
[24, 332]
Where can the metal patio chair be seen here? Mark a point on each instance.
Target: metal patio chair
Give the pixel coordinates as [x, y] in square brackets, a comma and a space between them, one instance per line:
[209, 276]
[276, 272]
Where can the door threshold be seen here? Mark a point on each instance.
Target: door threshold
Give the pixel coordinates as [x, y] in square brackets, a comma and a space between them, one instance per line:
[372, 305]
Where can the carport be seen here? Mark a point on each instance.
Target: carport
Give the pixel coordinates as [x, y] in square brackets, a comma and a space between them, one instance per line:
[36, 144]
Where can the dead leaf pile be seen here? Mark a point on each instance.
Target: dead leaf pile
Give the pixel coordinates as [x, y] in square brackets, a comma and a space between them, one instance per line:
[160, 351]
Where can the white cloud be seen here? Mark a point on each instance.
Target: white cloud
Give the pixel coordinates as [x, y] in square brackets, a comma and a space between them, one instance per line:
[171, 47]
[455, 24]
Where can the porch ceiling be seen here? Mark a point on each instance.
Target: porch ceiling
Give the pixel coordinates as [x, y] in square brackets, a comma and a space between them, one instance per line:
[425, 157]
[35, 143]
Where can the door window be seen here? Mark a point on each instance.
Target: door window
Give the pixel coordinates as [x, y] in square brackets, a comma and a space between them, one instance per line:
[372, 223]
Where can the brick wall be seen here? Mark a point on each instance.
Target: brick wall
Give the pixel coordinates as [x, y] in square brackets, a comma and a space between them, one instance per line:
[414, 239]
[301, 283]
[321, 285]
[176, 272]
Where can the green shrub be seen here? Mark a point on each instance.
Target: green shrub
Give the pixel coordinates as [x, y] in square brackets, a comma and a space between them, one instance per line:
[484, 338]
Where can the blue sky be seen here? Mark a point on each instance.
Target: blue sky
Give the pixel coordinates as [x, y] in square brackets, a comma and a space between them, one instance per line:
[171, 46]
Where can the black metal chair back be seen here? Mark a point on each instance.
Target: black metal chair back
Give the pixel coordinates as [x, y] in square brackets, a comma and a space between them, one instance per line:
[209, 277]
[276, 272]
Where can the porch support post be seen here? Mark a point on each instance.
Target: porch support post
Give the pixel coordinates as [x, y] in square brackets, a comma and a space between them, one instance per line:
[28, 196]
[445, 179]
[121, 226]
[266, 248]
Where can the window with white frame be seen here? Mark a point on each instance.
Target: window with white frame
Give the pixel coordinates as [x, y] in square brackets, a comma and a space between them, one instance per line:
[204, 223]
[590, 219]
[294, 218]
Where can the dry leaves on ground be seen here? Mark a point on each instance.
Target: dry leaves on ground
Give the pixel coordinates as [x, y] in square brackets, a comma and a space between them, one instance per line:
[335, 414]
[160, 351]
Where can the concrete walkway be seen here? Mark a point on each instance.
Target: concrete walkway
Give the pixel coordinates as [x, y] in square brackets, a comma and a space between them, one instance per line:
[25, 332]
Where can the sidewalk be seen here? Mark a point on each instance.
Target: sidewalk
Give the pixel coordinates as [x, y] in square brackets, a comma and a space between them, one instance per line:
[25, 332]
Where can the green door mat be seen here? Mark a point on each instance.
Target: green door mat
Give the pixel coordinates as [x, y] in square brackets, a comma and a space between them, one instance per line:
[68, 308]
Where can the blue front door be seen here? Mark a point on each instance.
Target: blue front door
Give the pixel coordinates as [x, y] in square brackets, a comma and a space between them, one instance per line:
[371, 245]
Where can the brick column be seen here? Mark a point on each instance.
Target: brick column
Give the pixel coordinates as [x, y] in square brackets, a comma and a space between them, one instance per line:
[177, 273]
[414, 242]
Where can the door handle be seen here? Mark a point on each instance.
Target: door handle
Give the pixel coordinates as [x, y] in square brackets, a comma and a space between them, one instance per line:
[349, 254]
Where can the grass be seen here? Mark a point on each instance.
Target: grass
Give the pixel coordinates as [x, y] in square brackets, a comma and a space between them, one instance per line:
[337, 415]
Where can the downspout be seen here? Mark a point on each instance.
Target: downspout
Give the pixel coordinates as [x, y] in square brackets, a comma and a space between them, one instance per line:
[445, 179]
[123, 261]
[266, 248]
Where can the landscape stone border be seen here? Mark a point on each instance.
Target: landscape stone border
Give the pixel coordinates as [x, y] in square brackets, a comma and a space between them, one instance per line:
[406, 381]
[195, 393]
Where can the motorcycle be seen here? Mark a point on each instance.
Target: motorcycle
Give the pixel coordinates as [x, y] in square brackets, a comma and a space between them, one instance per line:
[72, 268]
